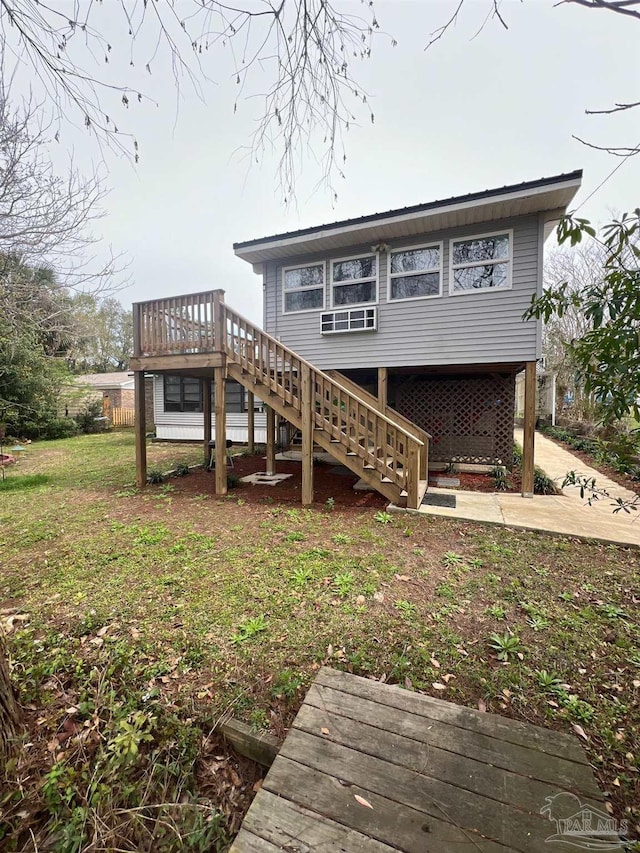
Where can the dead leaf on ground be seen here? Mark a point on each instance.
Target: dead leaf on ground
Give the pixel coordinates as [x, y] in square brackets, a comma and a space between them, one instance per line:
[482, 705]
[324, 731]
[363, 802]
[580, 731]
[438, 686]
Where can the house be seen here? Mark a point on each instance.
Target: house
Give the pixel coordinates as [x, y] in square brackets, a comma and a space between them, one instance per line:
[392, 341]
[113, 390]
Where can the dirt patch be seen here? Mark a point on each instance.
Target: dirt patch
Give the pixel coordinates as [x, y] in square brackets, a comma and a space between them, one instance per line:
[329, 482]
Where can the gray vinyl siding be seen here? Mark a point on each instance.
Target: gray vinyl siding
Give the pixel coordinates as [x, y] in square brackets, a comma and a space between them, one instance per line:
[474, 328]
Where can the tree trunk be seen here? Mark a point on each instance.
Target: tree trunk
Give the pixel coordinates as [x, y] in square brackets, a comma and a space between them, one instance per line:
[10, 722]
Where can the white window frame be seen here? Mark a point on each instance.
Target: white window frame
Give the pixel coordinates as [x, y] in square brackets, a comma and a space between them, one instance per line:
[333, 261]
[440, 270]
[508, 261]
[323, 307]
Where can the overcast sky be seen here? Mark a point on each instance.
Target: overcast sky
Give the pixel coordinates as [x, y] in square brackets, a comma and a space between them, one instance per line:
[466, 115]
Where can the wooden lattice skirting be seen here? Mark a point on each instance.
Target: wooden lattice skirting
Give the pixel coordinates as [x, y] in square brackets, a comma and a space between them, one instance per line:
[469, 417]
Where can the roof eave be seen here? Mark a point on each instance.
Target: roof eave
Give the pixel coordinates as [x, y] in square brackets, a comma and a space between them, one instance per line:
[551, 196]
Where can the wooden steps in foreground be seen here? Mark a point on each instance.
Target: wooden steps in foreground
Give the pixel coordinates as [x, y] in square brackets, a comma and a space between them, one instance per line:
[371, 767]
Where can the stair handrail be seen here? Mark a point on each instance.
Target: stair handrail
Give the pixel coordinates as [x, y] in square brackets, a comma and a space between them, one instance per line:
[315, 370]
[350, 383]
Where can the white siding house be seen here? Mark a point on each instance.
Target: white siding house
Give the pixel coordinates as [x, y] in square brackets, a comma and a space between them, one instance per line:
[173, 423]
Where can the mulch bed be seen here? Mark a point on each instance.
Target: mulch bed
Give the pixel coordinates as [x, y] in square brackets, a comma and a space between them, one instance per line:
[326, 484]
[485, 482]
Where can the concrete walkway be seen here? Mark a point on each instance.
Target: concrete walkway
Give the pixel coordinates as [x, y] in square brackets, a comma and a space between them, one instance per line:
[566, 514]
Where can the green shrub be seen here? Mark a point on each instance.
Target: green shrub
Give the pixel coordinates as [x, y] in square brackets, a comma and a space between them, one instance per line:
[543, 485]
[499, 477]
[155, 476]
[90, 418]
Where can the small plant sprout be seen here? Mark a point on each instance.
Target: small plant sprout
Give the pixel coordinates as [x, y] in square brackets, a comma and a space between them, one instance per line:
[249, 629]
[383, 517]
[301, 576]
[343, 583]
[497, 611]
[294, 536]
[341, 539]
[407, 608]
[538, 623]
[506, 646]
[452, 559]
[330, 504]
[549, 681]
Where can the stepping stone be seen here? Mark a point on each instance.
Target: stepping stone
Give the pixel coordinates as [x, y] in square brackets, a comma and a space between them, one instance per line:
[445, 482]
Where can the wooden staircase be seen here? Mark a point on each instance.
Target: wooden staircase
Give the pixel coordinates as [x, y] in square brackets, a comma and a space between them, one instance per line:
[376, 447]
[195, 333]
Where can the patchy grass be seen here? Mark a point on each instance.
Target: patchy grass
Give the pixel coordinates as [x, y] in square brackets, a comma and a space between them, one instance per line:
[142, 611]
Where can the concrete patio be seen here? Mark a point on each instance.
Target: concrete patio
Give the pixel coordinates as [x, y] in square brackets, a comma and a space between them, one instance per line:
[565, 514]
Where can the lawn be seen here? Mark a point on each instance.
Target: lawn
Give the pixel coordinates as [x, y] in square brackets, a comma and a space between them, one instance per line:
[137, 620]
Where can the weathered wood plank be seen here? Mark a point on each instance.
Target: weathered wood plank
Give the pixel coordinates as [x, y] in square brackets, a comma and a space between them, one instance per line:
[247, 842]
[259, 746]
[520, 830]
[293, 828]
[512, 731]
[557, 772]
[387, 820]
[427, 759]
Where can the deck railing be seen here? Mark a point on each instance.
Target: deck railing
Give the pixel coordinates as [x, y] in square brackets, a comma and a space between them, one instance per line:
[181, 324]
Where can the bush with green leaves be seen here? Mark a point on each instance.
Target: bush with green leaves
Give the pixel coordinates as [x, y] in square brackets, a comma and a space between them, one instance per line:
[90, 419]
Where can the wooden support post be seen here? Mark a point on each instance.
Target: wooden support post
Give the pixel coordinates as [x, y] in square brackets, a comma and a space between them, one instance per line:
[140, 428]
[218, 324]
[383, 381]
[424, 461]
[529, 428]
[219, 378]
[307, 436]
[251, 422]
[413, 473]
[205, 390]
[271, 441]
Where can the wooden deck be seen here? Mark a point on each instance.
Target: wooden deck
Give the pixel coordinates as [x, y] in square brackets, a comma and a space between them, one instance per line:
[371, 767]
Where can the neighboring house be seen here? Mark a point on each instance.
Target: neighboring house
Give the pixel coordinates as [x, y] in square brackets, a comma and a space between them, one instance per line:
[113, 390]
[414, 314]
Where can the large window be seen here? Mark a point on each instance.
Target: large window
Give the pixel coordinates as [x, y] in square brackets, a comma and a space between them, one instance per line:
[303, 288]
[182, 394]
[481, 263]
[354, 281]
[415, 273]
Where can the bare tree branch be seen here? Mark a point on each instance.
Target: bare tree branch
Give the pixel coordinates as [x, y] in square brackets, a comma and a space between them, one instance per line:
[622, 7]
[304, 49]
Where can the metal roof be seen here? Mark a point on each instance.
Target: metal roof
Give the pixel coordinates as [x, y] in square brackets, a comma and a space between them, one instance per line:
[542, 194]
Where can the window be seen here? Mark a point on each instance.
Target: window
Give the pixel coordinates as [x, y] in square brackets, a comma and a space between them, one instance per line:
[415, 273]
[480, 263]
[354, 280]
[182, 394]
[349, 320]
[303, 288]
